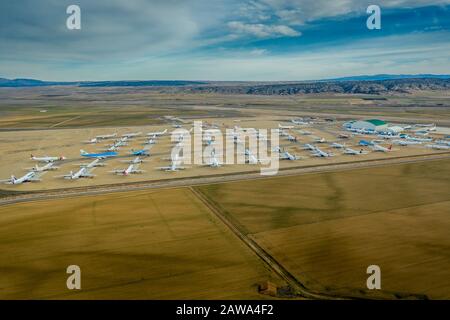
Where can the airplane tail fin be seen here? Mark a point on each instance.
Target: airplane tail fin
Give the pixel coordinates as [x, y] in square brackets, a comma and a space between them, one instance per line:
[390, 147]
[82, 152]
[31, 156]
[13, 178]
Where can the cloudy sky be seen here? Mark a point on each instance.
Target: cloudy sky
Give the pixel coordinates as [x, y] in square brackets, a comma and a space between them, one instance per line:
[222, 39]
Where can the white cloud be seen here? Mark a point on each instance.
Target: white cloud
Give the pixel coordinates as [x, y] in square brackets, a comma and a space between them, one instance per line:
[262, 30]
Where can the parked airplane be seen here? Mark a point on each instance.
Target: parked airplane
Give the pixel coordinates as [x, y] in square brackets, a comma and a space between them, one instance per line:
[84, 172]
[134, 161]
[292, 138]
[320, 140]
[131, 134]
[419, 139]
[299, 122]
[29, 177]
[354, 152]
[142, 152]
[343, 136]
[101, 155]
[337, 145]
[174, 166]
[47, 167]
[106, 136]
[287, 156]
[131, 169]
[405, 142]
[365, 143]
[285, 127]
[150, 141]
[95, 163]
[91, 141]
[443, 142]
[157, 133]
[438, 146]
[47, 158]
[308, 146]
[213, 161]
[251, 159]
[319, 153]
[377, 147]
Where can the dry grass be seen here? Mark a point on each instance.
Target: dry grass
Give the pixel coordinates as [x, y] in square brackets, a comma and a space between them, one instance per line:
[137, 245]
[327, 228]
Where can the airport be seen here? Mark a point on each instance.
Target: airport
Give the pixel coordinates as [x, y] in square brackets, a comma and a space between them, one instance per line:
[141, 188]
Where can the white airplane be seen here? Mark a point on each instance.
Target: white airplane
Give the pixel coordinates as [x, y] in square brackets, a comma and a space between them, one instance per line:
[251, 159]
[106, 136]
[277, 149]
[320, 140]
[388, 136]
[95, 163]
[47, 158]
[29, 177]
[287, 156]
[419, 139]
[174, 166]
[377, 147]
[150, 141]
[337, 145]
[292, 138]
[428, 127]
[299, 122]
[354, 152]
[285, 127]
[405, 142]
[84, 172]
[91, 141]
[132, 169]
[157, 133]
[438, 146]
[322, 154]
[131, 134]
[47, 167]
[308, 146]
[136, 160]
[213, 161]
[443, 142]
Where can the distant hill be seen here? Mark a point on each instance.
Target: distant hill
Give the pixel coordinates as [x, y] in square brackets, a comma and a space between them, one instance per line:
[378, 77]
[348, 87]
[133, 83]
[376, 84]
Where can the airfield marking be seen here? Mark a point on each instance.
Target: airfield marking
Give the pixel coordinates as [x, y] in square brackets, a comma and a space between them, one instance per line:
[196, 181]
[67, 120]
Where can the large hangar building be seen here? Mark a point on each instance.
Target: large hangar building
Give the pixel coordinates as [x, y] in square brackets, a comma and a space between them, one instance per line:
[371, 124]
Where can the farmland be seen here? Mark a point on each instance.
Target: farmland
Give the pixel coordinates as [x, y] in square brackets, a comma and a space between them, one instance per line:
[327, 228]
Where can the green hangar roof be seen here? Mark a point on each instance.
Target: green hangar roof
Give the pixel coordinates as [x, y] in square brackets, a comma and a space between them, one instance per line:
[376, 122]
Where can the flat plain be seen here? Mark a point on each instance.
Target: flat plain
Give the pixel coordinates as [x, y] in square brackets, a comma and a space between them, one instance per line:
[135, 245]
[327, 228]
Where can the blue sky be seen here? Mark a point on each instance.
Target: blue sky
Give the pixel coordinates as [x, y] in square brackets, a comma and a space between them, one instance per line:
[259, 40]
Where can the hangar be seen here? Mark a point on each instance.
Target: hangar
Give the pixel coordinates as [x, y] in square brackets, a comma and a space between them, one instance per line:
[371, 124]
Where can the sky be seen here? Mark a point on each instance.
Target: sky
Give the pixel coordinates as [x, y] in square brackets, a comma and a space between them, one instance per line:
[222, 40]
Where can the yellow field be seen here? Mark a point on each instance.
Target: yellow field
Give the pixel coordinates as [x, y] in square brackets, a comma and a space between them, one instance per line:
[137, 245]
[327, 228]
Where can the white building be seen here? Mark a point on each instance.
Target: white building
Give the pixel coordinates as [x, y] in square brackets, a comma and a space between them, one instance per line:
[371, 124]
